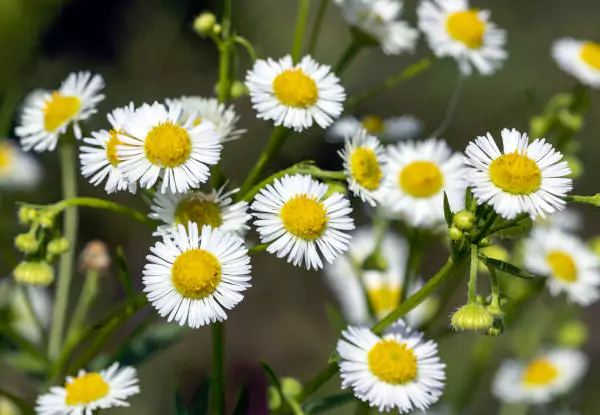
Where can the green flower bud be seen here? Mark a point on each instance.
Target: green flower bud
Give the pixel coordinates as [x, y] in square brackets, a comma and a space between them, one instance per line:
[464, 220]
[205, 23]
[494, 308]
[375, 262]
[495, 331]
[47, 220]
[58, 246]
[274, 398]
[472, 316]
[34, 273]
[291, 387]
[335, 187]
[27, 243]
[573, 334]
[238, 90]
[217, 29]
[27, 215]
[455, 233]
[576, 167]
[540, 126]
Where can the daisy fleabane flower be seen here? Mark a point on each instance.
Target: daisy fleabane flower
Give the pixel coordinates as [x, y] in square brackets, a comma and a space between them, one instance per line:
[46, 115]
[381, 20]
[18, 170]
[296, 219]
[193, 279]
[417, 174]
[569, 264]
[399, 370]
[542, 379]
[210, 109]
[295, 96]
[404, 127]
[215, 209]
[524, 177]
[453, 29]
[99, 160]
[579, 58]
[90, 391]
[156, 141]
[364, 158]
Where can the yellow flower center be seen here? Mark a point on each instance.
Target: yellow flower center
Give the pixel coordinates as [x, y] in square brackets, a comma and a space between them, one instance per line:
[196, 273]
[516, 174]
[59, 110]
[384, 299]
[590, 53]
[540, 372]
[304, 217]
[365, 168]
[86, 389]
[295, 89]
[168, 145]
[562, 265]
[5, 156]
[111, 148]
[202, 212]
[373, 124]
[392, 362]
[421, 179]
[466, 27]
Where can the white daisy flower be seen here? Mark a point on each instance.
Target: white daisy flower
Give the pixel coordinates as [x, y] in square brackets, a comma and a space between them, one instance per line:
[364, 159]
[18, 170]
[542, 379]
[99, 159]
[416, 176]
[194, 279]
[157, 142]
[295, 95]
[403, 127]
[570, 265]
[294, 216]
[467, 35]
[381, 20]
[568, 220]
[210, 109]
[90, 391]
[215, 209]
[524, 177]
[46, 115]
[399, 370]
[579, 58]
[383, 288]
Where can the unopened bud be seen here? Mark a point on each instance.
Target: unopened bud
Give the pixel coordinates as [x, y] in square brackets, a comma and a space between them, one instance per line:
[463, 220]
[455, 233]
[375, 262]
[94, 257]
[46, 220]
[27, 243]
[204, 23]
[238, 90]
[58, 246]
[472, 316]
[274, 398]
[27, 215]
[217, 29]
[494, 308]
[291, 387]
[335, 187]
[573, 334]
[34, 272]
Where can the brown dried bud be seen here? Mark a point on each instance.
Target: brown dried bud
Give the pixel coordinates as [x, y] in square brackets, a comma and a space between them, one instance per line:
[94, 256]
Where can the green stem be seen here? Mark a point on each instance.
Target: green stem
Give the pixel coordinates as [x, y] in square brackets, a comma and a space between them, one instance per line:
[258, 248]
[34, 316]
[218, 386]
[68, 160]
[247, 45]
[362, 408]
[347, 57]
[413, 263]
[473, 275]
[87, 297]
[318, 380]
[402, 76]
[314, 37]
[482, 352]
[225, 52]
[301, 21]
[593, 200]
[102, 204]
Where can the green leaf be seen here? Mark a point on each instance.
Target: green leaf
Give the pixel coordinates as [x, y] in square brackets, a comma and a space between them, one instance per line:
[510, 229]
[123, 272]
[506, 267]
[469, 201]
[329, 402]
[447, 212]
[241, 407]
[335, 317]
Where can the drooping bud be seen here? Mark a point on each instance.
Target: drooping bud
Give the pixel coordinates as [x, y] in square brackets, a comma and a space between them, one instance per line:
[472, 316]
[455, 233]
[463, 220]
[27, 215]
[204, 23]
[58, 246]
[27, 243]
[47, 220]
[34, 273]
[94, 257]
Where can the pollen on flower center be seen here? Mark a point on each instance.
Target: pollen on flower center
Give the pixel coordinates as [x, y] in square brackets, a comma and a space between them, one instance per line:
[392, 362]
[168, 145]
[58, 110]
[516, 174]
[421, 179]
[196, 273]
[111, 148]
[295, 89]
[202, 212]
[562, 265]
[384, 298]
[373, 124]
[304, 217]
[590, 53]
[540, 372]
[365, 168]
[85, 389]
[466, 27]
[5, 156]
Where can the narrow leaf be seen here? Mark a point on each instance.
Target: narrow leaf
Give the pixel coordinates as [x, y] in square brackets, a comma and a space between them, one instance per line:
[241, 407]
[447, 212]
[506, 267]
[123, 272]
[335, 318]
[274, 380]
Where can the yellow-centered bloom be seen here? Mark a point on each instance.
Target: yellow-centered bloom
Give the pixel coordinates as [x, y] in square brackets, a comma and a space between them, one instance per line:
[579, 58]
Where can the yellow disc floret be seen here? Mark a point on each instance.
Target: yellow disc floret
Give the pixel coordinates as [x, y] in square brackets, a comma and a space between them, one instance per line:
[6, 155]
[392, 362]
[421, 179]
[86, 389]
[304, 217]
[202, 212]
[295, 89]
[590, 53]
[111, 148]
[562, 265]
[516, 174]
[196, 273]
[168, 145]
[373, 124]
[540, 372]
[59, 110]
[365, 168]
[384, 299]
[466, 27]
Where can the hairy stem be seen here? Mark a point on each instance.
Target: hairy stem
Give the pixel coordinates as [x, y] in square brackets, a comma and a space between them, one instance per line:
[302, 20]
[347, 57]
[102, 204]
[473, 275]
[314, 37]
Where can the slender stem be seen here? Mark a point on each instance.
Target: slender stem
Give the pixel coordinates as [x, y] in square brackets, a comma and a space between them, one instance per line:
[413, 263]
[318, 380]
[362, 408]
[402, 76]
[481, 353]
[495, 284]
[257, 248]
[68, 160]
[347, 57]
[473, 275]
[593, 200]
[247, 45]
[102, 204]
[31, 310]
[87, 297]
[301, 21]
[218, 380]
[451, 107]
[225, 52]
[314, 37]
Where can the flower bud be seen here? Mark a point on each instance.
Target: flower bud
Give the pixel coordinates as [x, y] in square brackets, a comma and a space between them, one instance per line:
[27, 215]
[46, 220]
[238, 90]
[217, 29]
[472, 316]
[455, 233]
[34, 272]
[57, 246]
[94, 257]
[335, 187]
[205, 23]
[464, 220]
[494, 308]
[274, 398]
[576, 167]
[291, 387]
[573, 334]
[375, 262]
[27, 243]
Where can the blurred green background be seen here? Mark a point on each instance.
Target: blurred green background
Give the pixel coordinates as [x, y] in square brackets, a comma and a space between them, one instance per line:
[146, 50]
